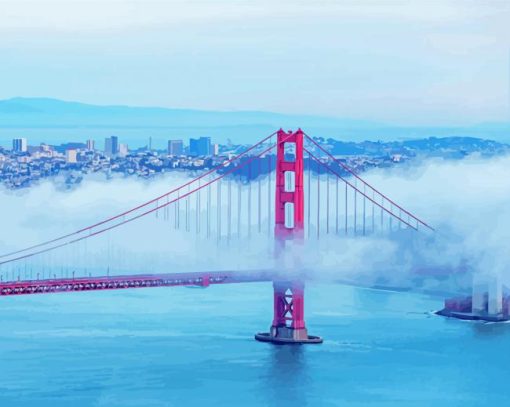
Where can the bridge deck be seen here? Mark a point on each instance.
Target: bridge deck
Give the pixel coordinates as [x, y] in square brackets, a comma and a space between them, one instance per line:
[202, 279]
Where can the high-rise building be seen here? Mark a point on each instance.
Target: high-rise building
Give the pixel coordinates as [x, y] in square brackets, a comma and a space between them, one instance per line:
[71, 156]
[175, 147]
[216, 149]
[199, 147]
[111, 146]
[193, 146]
[20, 145]
[90, 145]
[123, 150]
[108, 146]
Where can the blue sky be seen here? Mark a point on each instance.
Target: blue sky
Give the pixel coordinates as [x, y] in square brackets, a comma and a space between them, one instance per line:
[407, 62]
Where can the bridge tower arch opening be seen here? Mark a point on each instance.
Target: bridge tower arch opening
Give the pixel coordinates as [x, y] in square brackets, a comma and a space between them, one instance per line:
[288, 324]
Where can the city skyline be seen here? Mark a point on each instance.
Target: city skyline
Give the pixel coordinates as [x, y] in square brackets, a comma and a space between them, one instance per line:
[201, 146]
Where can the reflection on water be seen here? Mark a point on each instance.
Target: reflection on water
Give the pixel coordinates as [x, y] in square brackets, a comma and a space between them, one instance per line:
[174, 346]
[489, 329]
[287, 377]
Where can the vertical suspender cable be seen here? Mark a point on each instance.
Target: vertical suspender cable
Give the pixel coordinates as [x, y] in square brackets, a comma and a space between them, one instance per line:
[208, 211]
[249, 199]
[318, 199]
[355, 205]
[346, 209]
[336, 206]
[382, 214]
[218, 198]
[198, 214]
[373, 211]
[175, 212]
[165, 210]
[178, 209]
[269, 171]
[187, 211]
[309, 190]
[364, 208]
[259, 201]
[229, 209]
[391, 217]
[239, 192]
[327, 202]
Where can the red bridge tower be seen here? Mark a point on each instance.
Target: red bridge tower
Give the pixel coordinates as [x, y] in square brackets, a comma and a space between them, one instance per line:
[288, 323]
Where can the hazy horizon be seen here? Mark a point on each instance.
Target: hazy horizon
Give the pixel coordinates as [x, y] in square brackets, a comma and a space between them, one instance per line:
[233, 110]
[426, 63]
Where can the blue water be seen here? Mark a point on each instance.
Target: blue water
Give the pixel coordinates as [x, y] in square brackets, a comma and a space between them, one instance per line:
[194, 347]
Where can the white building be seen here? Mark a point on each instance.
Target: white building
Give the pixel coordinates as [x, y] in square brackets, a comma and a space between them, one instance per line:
[71, 156]
[123, 150]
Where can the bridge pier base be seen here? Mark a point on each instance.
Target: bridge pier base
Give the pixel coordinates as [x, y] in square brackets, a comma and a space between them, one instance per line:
[288, 325]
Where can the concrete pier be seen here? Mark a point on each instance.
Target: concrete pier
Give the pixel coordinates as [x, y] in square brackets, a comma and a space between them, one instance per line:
[495, 297]
[489, 301]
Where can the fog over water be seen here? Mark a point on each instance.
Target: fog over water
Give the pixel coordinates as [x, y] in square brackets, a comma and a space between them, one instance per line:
[466, 201]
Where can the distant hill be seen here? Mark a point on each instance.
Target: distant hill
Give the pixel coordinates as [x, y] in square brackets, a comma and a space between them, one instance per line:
[42, 112]
[446, 147]
[57, 121]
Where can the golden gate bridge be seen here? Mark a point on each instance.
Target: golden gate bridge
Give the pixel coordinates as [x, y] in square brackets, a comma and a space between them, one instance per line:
[287, 188]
